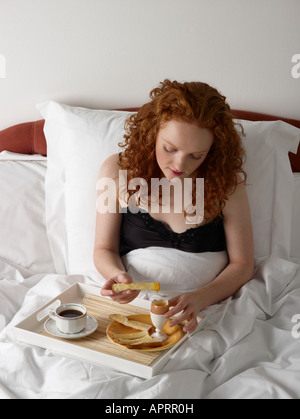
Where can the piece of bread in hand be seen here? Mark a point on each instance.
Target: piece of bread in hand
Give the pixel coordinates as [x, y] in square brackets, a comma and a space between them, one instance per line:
[136, 286]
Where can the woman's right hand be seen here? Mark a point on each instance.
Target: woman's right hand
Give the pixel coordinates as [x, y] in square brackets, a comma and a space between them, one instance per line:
[123, 297]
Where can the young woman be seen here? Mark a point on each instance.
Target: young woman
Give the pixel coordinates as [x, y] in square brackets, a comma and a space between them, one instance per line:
[186, 131]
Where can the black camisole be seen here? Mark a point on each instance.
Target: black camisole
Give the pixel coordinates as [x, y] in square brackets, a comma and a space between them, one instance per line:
[141, 230]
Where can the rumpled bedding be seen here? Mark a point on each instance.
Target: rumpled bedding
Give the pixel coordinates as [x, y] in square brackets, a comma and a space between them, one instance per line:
[248, 348]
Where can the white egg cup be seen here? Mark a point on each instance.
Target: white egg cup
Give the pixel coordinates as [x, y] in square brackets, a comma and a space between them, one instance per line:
[158, 321]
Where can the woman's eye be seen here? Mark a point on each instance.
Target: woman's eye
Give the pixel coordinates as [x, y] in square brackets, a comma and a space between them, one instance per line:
[169, 150]
[196, 157]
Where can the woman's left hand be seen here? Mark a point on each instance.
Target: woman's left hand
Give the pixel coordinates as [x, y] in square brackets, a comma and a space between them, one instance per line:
[190, 305]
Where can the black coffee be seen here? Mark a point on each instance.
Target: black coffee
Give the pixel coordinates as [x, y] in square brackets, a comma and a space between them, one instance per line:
[70, 313]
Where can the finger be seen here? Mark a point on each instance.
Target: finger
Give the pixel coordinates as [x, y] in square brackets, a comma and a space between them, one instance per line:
[173, 301]
[122, 278]
[126, 301]
[119, 298]
[177, 309]
[191, 325]
[106, 292]
[125, 297]
[183, 315]
[116, 280]
[108, 284]
[179, 319]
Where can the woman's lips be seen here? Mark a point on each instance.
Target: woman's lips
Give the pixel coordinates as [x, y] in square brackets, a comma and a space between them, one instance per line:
[176, 173]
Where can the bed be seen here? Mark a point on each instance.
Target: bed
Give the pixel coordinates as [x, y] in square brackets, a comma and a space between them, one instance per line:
[249, 344]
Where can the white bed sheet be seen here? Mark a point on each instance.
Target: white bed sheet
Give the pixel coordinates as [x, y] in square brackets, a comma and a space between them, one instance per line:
[246, 349]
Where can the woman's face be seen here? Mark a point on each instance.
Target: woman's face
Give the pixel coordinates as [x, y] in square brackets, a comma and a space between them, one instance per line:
[181, 147]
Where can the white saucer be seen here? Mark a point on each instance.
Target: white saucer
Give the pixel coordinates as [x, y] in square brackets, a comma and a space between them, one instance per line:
[91, 326]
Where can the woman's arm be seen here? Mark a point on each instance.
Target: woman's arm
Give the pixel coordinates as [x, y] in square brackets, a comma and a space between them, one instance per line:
[239, 240]
[107, 239]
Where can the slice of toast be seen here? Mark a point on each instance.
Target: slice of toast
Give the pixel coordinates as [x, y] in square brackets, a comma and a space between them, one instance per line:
[130, 323]
[125, 341]
[135, 335]
[136, 286]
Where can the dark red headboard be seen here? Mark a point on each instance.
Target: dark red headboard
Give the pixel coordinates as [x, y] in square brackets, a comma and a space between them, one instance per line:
[28, 138]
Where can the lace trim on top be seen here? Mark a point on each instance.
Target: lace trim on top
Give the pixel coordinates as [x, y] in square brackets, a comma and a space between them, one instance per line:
[167, 234]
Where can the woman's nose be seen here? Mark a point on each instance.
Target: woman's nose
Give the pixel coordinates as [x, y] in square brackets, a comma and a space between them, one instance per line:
[179, 163]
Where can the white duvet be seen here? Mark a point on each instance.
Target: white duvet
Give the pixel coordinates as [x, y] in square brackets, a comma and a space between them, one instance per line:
[176, 271]
[249, 347]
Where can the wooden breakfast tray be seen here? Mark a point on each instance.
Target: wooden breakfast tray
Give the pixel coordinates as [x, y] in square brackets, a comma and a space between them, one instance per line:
[100, 308]
[96, 348]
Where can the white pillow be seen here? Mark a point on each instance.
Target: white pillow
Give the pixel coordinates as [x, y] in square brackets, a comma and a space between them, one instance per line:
[23, 230]
[295, 239]
[78, 140]
[174, 269]
[270, 184]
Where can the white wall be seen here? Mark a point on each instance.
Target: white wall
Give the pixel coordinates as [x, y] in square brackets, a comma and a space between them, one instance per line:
[111, 53]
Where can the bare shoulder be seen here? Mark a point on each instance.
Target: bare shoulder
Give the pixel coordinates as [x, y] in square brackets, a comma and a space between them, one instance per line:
[238, 189]
[110, 167]
[237, 201]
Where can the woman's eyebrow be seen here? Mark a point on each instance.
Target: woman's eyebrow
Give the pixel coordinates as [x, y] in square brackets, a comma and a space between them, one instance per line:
[195, 152]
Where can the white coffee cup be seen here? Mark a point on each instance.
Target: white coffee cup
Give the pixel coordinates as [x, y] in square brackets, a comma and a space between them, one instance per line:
[69, 318]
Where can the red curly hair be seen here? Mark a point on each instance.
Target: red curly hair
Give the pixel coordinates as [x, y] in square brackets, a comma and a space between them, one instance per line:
[189, 102]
